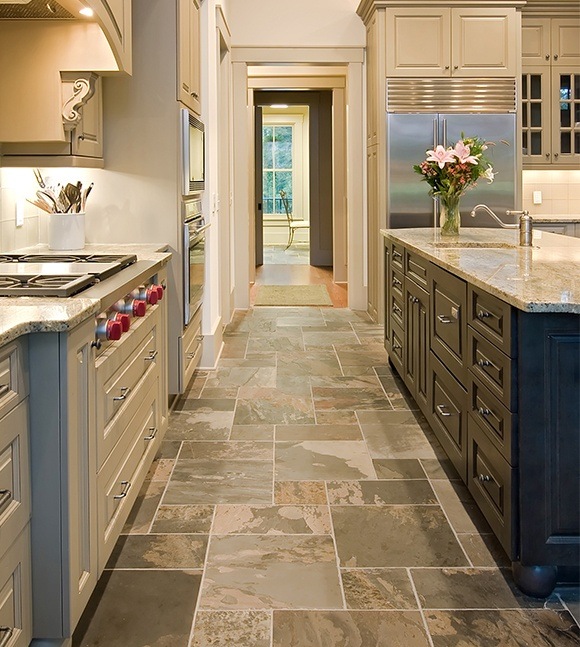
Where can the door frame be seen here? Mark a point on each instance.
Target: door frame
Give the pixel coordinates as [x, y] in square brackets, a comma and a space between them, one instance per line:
[338, 69]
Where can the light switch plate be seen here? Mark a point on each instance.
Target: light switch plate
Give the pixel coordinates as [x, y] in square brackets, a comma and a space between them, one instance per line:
[537, 197]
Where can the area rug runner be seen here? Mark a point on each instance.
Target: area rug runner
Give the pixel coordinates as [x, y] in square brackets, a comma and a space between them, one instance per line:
[292, 295]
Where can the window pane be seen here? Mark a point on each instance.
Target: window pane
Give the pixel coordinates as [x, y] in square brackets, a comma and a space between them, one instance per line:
[565, 116]
[283, 151]
[577, 86]
[565, 86]
[577, 143]
[565, 143]
[268, 191]
[283, 181]
[536, 143]
[524, 86]
[536, 109]
[525, 143]
[577, 115]
[525, 116]
[536, 86]
[267, 139]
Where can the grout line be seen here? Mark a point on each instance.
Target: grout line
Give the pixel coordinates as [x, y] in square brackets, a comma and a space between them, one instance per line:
[165, 487]
[419, 607]
[333, 535]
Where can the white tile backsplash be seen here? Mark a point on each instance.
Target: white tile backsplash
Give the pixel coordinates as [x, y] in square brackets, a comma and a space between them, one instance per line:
[17, 185]
[560, 192]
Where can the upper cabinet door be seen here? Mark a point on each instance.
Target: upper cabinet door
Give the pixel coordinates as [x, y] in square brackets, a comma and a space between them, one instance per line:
[483, 42]
[189, 69]
[536, 48]
[114, 17]
[566, 41]
[418, 42]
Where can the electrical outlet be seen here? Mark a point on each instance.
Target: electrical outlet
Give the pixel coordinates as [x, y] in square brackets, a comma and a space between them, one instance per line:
[19, 213]
[537, 197]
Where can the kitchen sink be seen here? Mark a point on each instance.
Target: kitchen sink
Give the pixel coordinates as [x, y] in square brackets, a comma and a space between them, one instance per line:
[459, 244]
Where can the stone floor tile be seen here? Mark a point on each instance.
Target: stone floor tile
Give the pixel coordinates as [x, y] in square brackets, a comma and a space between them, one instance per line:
[229, 628]
[336, 418]
[309, 363]
[323, 460]
[349, 629]
[328, 339]
[252, 432]
[570, 596]
[294, 385]
[318, 432]
[271, 572]
[236, 376]
[159, 551]
[238, 450]
[462, 511]
[219, 393]
[440, 468]
[397, 394]
[395, 492]
[398, 468]
[358, 355]
[137, 608]
[144, 508]
[275, 343]
[186, 519]
[200, 425]
[395, 536]
[206, 405]
[394, 434]
[472, 588]
[269, 406]
[272, 520]
[220, 481]
[260, 361]
[300, 493]
[484, 549]
[160, 469]
[378, 588]
[532, 628]
[351, 399]
[367, 379]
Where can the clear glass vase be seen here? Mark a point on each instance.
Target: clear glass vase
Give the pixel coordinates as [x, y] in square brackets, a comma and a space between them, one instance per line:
[450, 216]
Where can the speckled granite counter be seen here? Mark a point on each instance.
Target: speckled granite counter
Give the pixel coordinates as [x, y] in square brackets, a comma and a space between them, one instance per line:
[544, 278]
[22, 315]
[568, 218]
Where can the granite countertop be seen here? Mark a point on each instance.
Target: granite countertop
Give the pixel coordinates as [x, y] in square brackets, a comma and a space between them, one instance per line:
[542, 278]
[567, 218]
[23, 315]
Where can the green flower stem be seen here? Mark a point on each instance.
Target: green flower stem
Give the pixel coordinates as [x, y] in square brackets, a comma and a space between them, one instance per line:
[450, 216]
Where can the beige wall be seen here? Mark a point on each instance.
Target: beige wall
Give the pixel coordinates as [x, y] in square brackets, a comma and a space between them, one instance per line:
[560, 192]
[301, 23]
[15, 186]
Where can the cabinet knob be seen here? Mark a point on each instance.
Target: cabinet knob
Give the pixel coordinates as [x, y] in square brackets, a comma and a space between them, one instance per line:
[484, 478]
[547, 57]
[483, 314]
[447, 67]
[547, 156]
[483, 362]
[5, 499]
[555, 57]
[484, 411]
[556, 155]
[456, 67]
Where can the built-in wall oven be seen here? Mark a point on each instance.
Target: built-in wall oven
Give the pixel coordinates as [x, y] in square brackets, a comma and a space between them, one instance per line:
[194, 229]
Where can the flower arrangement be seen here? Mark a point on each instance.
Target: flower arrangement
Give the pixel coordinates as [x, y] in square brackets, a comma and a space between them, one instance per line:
[451, 171]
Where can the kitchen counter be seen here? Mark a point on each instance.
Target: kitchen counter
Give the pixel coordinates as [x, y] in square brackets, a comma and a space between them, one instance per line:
[556, 217]
[22, 315]
[543, 278]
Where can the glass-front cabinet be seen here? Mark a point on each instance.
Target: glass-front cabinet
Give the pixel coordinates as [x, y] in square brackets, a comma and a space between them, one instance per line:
[551, 92]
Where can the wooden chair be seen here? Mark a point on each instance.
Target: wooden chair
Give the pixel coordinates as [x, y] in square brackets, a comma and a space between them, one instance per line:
[293, 225]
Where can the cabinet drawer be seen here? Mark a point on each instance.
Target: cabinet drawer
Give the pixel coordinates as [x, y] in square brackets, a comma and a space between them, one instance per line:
[494, 319]
[397, 312]
[397, 284]
[191, 347]
[16, 593]
[448, 326]
[448, 414]
[492, 483]
[14, 474]
[494, 419]
[397, 255]
[493, 368]
[396, 348]
[416, 268]
[13, 382]
[121, 476]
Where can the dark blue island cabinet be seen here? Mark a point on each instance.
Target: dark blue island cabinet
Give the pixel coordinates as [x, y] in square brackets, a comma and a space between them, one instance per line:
[500, 387]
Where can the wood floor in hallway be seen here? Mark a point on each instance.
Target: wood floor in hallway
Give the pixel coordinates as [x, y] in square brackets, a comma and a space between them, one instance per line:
[290, 267]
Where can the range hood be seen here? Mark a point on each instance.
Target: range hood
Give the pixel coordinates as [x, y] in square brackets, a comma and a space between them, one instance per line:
[39, 9]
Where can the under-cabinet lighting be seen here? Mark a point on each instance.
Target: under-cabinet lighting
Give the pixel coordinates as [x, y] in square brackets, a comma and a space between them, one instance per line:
[86, 11]
[279, 105]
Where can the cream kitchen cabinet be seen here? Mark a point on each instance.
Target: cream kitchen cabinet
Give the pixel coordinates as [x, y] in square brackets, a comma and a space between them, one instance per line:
[551, 92]
[188, 68]
[459, 42]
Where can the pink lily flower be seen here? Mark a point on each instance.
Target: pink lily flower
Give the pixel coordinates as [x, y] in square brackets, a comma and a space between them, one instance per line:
[462, 152]
[441, 156]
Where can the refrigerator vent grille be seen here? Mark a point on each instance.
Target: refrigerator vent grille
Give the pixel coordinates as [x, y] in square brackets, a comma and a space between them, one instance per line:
[451, 95]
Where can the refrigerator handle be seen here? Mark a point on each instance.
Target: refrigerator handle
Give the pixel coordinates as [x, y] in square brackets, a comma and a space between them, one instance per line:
[444, 132]
[435, 134]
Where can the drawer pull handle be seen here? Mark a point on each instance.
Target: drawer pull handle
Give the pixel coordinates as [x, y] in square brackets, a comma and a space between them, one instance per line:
[7, 631]
[397, 283]
[152, 433]
[126, 486]
[444, 319]
[190, 356]
[397, 255]
[483, 314]
[396, 347]
[125, 390]
[397, 310]
[152, 355]
[5, 499]
[484, 362]
[4, 389]
[199, 338]
[441, 409]
[484, 412]
[484, 478]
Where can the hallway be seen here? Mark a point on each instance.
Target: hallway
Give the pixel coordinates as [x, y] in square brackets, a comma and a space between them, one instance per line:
[299, 500]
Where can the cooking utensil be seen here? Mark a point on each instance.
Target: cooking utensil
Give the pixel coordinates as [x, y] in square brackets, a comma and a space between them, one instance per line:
[39, 178]
[73, 196]
[41, 205]
[43, 196]
[85, 195]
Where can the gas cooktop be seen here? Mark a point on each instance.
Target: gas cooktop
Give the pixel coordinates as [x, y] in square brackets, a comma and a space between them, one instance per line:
[57, 275]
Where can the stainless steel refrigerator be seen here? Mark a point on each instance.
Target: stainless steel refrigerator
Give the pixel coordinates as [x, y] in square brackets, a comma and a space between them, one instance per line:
[411, 134]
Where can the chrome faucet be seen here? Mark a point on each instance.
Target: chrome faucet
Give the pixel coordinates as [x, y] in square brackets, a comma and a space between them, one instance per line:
[524, 224]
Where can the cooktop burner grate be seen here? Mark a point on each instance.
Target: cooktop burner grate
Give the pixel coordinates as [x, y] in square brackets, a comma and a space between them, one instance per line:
[121, 259]
[44, 285]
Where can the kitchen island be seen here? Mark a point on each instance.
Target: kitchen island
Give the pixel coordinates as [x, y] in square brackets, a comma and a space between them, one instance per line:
[486, 336]
[82, 414]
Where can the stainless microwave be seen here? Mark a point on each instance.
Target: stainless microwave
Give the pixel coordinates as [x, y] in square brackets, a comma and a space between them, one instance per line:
[192, 153]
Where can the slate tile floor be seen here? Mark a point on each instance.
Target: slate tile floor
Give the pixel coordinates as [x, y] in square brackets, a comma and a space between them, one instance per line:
[300, 500]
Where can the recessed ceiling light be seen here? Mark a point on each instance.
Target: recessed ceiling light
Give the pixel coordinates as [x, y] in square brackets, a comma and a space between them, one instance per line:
[86, 11]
